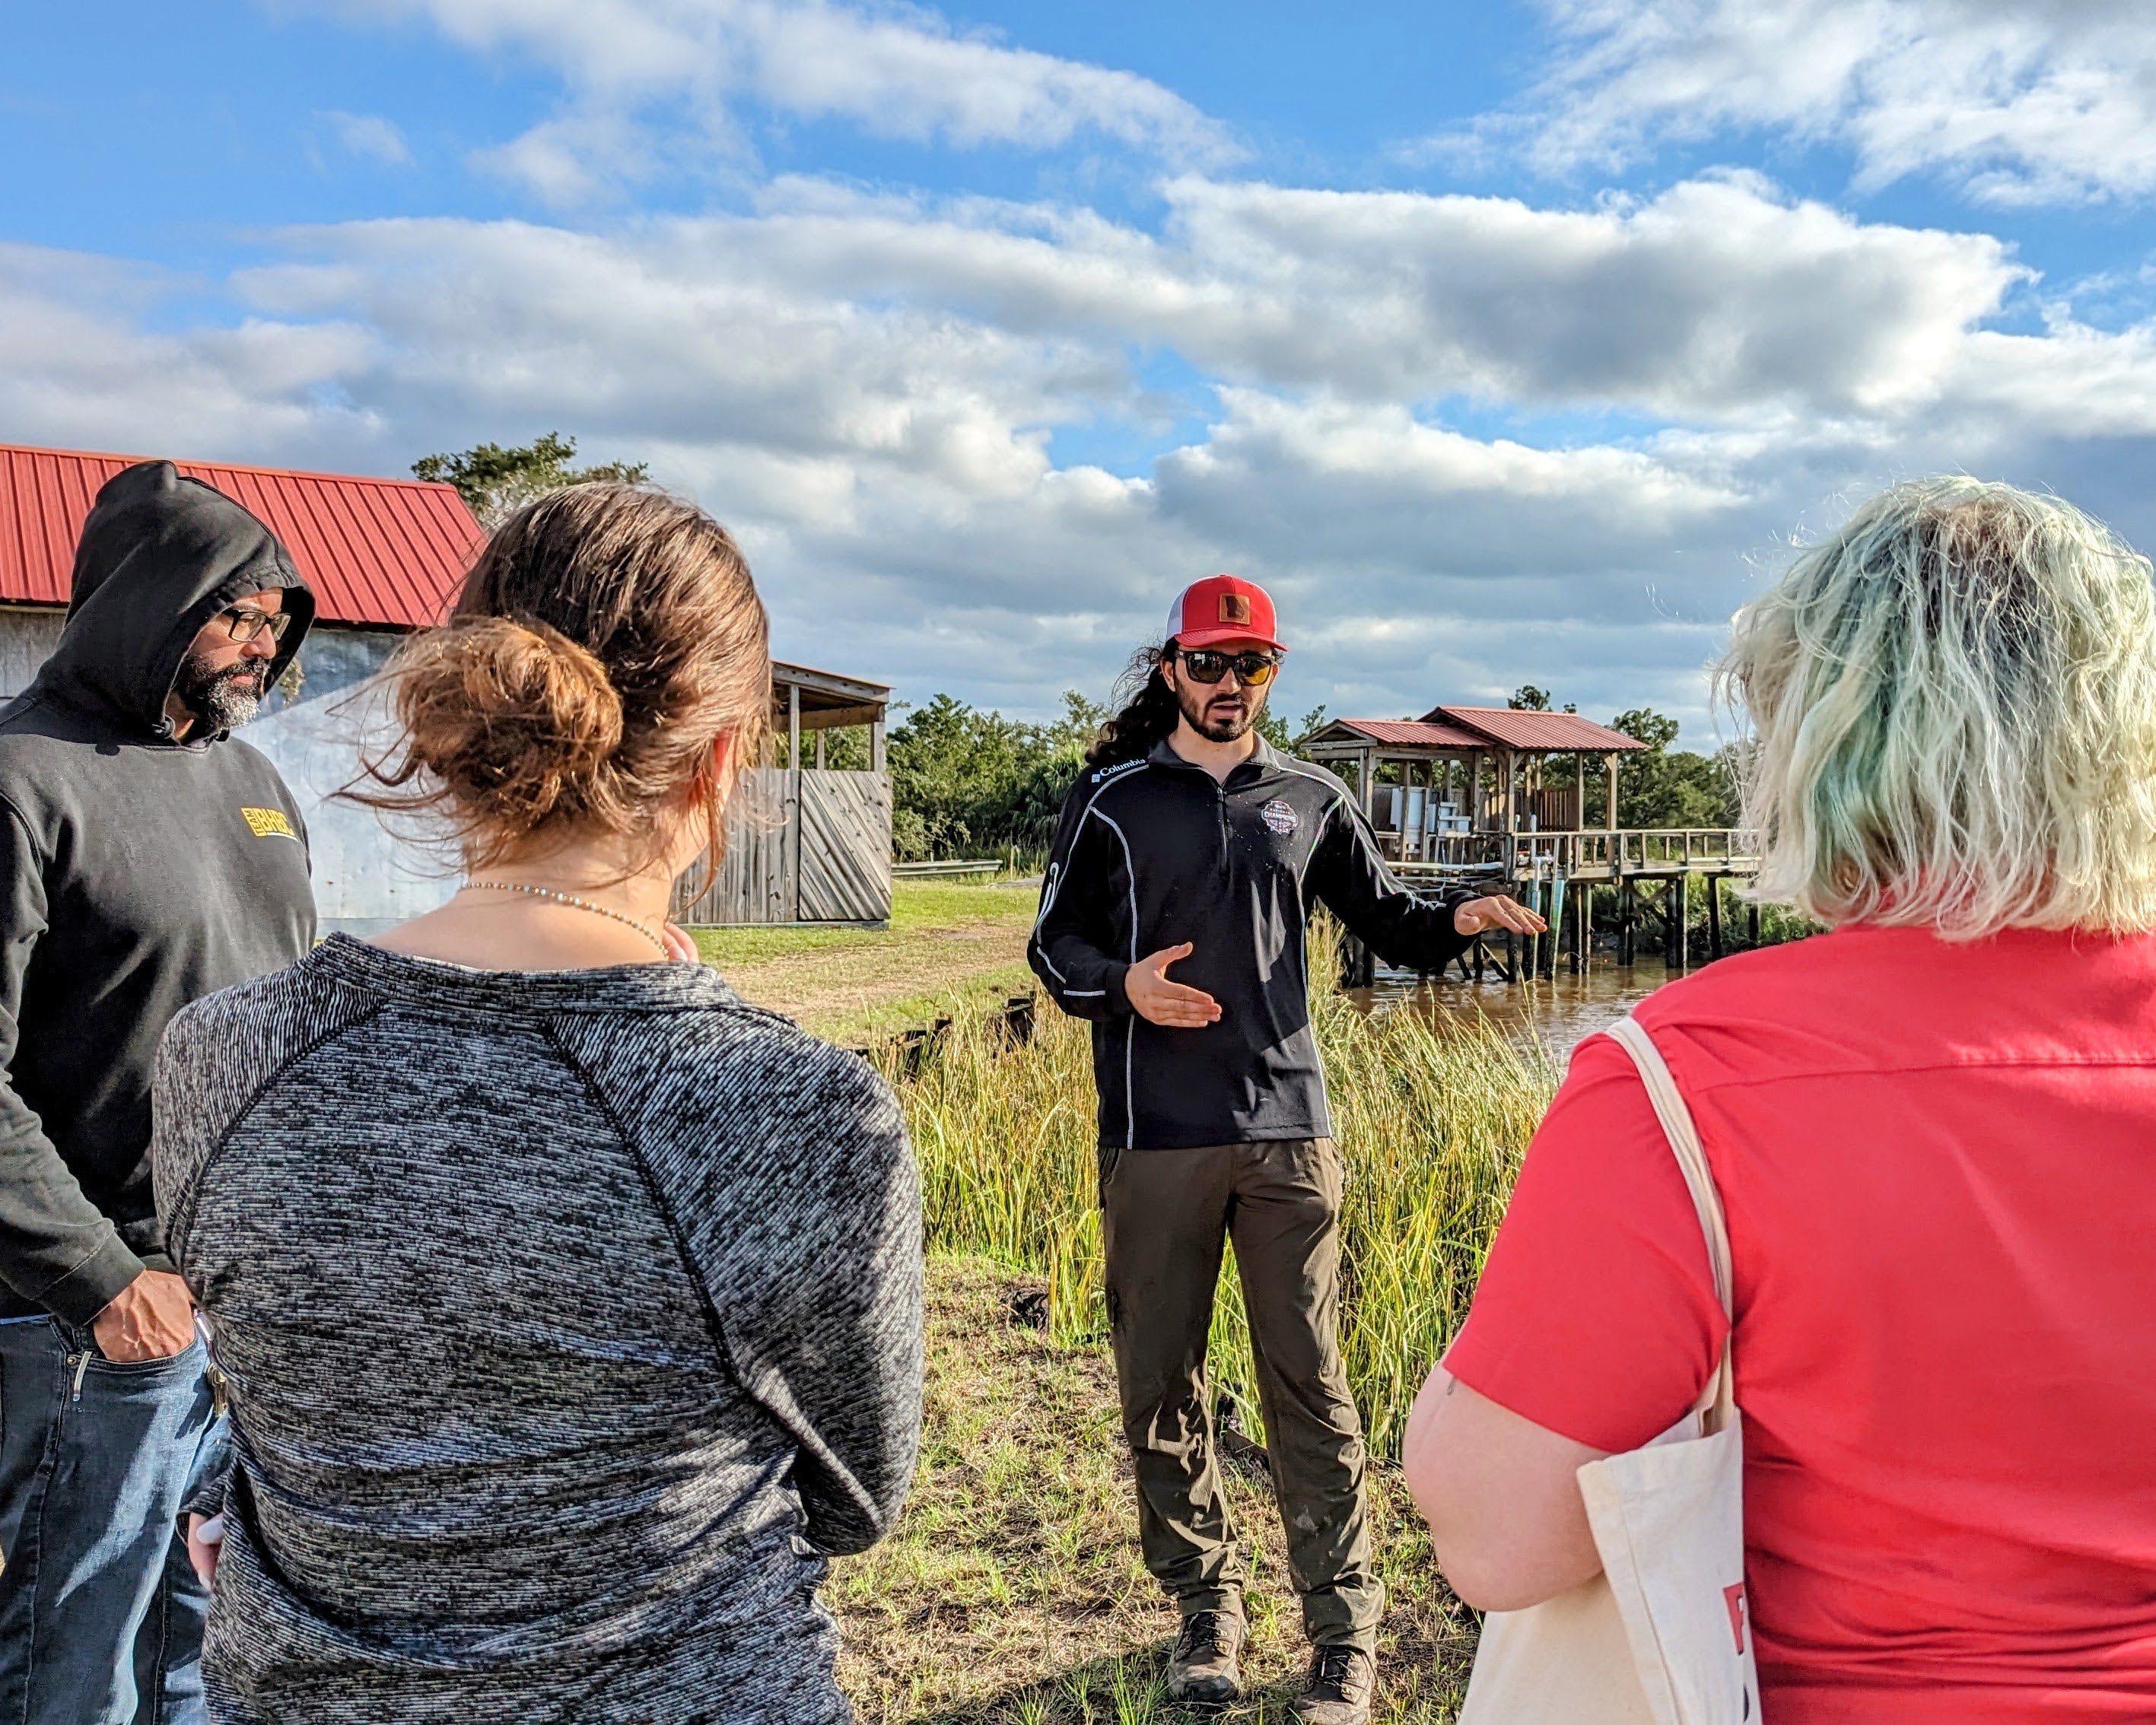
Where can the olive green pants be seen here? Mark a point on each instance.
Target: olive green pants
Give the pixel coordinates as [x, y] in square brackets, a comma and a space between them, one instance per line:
[1164, 1216]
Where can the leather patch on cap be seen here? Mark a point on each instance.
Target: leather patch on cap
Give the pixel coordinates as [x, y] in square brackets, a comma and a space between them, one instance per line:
[1235, 608]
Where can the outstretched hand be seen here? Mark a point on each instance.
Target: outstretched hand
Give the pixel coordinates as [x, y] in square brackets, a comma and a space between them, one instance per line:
[1157, 1001]
[1478, 916]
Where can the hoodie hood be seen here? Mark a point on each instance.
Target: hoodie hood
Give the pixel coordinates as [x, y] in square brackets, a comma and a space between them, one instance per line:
[160, 556]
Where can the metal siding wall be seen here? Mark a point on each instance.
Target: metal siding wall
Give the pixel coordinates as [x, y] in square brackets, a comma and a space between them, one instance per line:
[26, 640]
[366, 877]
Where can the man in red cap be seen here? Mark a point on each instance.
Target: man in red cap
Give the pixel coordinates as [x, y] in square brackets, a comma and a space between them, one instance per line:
[1190, 843]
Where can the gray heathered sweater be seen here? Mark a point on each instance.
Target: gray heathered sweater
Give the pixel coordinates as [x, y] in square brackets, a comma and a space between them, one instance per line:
[571, 1318]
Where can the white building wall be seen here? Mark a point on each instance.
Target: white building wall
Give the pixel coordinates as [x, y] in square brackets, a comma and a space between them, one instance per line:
[26, 640]
[366, 877]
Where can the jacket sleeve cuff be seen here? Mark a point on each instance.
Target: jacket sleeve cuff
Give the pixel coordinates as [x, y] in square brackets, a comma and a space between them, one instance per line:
[1119, 999]
[93, 1284]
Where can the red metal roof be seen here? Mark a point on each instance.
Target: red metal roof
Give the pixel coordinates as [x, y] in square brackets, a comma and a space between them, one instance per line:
[1414, 733]
[387, 552]
[1515, 727]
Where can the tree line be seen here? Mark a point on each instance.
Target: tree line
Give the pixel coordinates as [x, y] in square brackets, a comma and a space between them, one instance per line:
[967, 781]
[970, 782]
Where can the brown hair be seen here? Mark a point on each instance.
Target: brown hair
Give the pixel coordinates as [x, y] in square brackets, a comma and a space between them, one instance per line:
[607, 637]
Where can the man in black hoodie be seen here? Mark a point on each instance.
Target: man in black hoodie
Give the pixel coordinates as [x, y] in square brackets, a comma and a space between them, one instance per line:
[145, 860]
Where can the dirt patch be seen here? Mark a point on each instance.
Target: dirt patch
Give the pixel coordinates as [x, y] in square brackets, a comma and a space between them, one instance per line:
[860, 978]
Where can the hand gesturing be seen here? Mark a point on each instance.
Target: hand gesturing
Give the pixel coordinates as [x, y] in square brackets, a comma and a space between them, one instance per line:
[1478, 916]
[1157, 1001]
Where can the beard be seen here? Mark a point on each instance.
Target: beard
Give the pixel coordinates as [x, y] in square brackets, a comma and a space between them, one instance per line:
[1216, 715]
[220, 699]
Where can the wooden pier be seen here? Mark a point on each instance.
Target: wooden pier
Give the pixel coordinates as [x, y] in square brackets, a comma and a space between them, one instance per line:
[1654, 875]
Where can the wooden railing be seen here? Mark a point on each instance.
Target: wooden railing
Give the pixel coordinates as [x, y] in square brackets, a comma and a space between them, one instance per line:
[1593, 855]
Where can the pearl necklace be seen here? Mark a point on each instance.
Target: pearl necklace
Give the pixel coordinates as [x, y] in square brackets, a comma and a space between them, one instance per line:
[570, 899]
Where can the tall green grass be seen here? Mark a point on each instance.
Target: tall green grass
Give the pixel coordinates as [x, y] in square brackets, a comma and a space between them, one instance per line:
[1432, 1122]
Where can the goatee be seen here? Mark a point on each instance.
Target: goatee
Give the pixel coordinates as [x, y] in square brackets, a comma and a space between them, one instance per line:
[220, 699]
[1223, 723]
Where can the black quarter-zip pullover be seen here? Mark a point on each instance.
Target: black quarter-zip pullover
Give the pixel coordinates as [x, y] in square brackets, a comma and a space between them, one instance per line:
[1155, 851]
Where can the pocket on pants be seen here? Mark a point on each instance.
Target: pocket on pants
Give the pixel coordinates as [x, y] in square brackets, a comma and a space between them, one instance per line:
[190, 1358]
[1111, 1158]
[1329, 1171]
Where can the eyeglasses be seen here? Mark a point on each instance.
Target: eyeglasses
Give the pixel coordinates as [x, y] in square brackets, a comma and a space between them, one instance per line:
[243, 623]
[1253, 670]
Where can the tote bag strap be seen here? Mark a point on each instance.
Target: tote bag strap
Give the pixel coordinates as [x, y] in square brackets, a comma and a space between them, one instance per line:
[1718, 1399]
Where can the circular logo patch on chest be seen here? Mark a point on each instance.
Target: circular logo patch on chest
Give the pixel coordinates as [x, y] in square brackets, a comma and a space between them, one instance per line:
[1278, 816]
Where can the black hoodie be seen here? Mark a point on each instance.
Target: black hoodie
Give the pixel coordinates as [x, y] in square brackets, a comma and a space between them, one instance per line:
[137, 873]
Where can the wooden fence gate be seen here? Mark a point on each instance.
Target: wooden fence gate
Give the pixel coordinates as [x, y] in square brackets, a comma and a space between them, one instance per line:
[806, 847]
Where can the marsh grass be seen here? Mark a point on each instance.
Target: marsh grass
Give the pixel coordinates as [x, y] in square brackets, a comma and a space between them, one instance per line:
[1432, 1121]
[1012, 1589]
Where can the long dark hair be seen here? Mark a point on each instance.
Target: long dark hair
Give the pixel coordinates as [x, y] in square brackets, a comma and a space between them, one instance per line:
[1147, 713]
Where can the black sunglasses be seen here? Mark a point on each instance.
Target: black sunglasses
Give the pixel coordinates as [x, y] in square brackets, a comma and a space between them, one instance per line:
[1253, 670]
[243, 623]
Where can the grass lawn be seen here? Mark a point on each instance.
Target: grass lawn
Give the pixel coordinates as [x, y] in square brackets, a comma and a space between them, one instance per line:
[1012, 1589]
[952, 947]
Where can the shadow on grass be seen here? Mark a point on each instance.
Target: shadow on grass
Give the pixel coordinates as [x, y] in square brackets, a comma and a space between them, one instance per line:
[1125, 1689]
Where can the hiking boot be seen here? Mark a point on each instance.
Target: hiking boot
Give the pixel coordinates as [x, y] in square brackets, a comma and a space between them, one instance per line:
[1342, 1681]
[1203, 1666]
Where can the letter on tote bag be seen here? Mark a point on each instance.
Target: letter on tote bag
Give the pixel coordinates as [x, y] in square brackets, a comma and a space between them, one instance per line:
[1662, 1636]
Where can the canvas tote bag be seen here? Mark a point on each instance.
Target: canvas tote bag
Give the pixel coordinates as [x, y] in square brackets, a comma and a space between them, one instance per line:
[1662, 1636]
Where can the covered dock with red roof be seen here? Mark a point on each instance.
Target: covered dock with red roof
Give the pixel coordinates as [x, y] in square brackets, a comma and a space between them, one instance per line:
[1510, 794]
[1459, 771]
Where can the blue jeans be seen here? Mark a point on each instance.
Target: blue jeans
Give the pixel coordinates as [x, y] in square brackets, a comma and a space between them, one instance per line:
[100, 1614]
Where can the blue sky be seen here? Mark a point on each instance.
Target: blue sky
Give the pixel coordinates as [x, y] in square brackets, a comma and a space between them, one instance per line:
[1508, 342]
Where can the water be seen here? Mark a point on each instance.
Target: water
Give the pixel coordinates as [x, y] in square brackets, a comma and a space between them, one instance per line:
[1555, 1011]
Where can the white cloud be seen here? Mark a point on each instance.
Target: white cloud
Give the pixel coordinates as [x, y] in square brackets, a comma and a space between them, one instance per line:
[371, 136]
[81, 369]
[674, 334]
[2012, 102]
[1717, 299]
[648, 79]
[871, 391]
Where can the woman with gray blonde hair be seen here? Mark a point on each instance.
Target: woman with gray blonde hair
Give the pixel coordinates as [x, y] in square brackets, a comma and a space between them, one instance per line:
[1931, 1128]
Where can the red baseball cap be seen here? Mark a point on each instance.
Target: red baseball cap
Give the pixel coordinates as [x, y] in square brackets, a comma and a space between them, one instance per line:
[1224, 608]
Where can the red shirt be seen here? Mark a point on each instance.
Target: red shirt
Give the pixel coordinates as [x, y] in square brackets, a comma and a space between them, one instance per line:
[1939, 1162]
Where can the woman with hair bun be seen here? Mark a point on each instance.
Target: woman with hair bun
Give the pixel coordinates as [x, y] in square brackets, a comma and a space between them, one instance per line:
[570, 1307]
